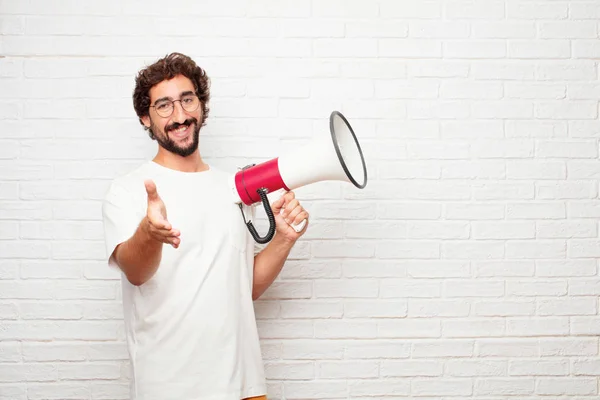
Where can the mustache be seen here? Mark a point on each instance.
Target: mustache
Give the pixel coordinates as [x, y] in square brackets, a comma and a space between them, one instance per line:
[176, 125]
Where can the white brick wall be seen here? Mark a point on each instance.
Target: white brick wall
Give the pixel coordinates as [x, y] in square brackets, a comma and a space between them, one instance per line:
[466, 269]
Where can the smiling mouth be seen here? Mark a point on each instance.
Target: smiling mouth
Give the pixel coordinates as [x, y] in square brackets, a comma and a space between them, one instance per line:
[180, 131]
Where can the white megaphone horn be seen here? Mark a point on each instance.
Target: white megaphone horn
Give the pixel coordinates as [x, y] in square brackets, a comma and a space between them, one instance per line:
[334, 157]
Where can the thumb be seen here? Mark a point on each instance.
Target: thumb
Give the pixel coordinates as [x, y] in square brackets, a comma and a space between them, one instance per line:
[277, 204]
[151, 190]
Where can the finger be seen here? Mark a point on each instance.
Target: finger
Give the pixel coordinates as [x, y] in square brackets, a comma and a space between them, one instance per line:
[175, 242]
[291, 216]
[278, 204]
[300, 217]
[166, 233]
[289, 207]
[167, 239]
[151, 190]
[288, 196]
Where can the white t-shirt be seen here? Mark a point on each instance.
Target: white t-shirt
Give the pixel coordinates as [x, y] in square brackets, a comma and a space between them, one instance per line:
[190, 329]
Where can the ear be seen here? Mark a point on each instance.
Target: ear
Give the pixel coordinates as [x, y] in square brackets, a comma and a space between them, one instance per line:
[146, 121]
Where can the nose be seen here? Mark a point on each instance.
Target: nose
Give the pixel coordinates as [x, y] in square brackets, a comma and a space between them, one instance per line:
[178, 113]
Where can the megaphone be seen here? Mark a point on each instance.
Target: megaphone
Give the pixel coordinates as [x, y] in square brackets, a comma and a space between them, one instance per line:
[334, 157]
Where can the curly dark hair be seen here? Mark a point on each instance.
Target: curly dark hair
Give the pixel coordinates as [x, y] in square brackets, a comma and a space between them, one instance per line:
[167, 68]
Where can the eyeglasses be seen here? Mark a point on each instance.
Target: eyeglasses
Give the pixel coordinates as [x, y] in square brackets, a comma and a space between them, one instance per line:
[189, 103]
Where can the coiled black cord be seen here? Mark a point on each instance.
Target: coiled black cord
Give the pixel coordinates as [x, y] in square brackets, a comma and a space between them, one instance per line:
[262, 192]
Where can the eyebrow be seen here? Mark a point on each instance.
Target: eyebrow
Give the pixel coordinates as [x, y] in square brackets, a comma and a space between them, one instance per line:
[186, 93]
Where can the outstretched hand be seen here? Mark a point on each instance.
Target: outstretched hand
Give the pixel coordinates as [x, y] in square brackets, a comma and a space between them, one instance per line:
[158, 226]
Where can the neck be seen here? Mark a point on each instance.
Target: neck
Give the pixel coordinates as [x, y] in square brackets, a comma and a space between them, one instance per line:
[191, 163]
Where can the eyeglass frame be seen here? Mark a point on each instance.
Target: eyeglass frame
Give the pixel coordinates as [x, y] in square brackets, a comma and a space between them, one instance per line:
[172, 102]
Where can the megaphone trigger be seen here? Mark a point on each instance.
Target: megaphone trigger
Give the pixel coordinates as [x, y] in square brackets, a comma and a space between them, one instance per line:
[298, 228]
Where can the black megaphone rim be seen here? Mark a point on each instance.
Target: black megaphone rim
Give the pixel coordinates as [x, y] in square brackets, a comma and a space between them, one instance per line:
[339, 153]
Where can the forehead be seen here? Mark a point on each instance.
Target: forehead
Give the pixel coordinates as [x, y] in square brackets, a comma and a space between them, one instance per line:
[171, 88]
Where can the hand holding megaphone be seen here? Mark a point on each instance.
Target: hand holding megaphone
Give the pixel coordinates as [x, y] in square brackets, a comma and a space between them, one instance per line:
[289, 213]
[336, 157]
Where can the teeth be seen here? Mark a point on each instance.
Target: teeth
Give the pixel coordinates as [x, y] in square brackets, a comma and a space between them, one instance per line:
[180, 129]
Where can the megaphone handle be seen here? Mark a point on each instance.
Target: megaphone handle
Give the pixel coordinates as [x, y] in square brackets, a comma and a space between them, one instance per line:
[271, 232]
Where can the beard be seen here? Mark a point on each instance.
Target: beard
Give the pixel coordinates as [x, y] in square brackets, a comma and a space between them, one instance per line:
[169, 144]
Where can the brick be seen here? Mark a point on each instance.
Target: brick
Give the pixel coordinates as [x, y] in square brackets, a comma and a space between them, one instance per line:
[443, 348]
[584, 367]
[473, 211]
[503, 308]
[475, 368]
[499, 268]
[472, 288]
[471, 130]
[532, 327]
[88, 371]
[345, 329]
[346, 288]
[377, 349]
[59, 391]
[422, 10]
[566, 110]
[411, 368]
[585, 326]
[507, 347]
[410, 48]
[348, 370]
[355, 47]
[10, 352]
[438, 29]
[503, 230]
[435, 387]
[537, 288]
[537, 10]
[290, 370]
[375, 309]
[288, 290]
[578, 70]
[539, 49]
[381, 387]
[568, 30]
[472, 250]
[568, 268]
[310, 309]
[538, 368]
[504, 387]
[110, 390]
[438, 308]
[27, 372]
[536, 170]
[409, 328]
[472, 328]
[568, 347]
[586, 49]
[314, 349]
[278, 329]
[567, 386]
[535, 91]
[474, 10]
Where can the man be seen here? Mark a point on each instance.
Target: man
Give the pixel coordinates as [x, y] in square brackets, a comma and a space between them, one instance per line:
[189, 265]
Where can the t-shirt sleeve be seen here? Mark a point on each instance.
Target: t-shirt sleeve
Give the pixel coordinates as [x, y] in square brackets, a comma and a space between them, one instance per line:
[120, 217]
[257, 247]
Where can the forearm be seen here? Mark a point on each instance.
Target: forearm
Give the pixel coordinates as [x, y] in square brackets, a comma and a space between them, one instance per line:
[268, 263]
[139, 256]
